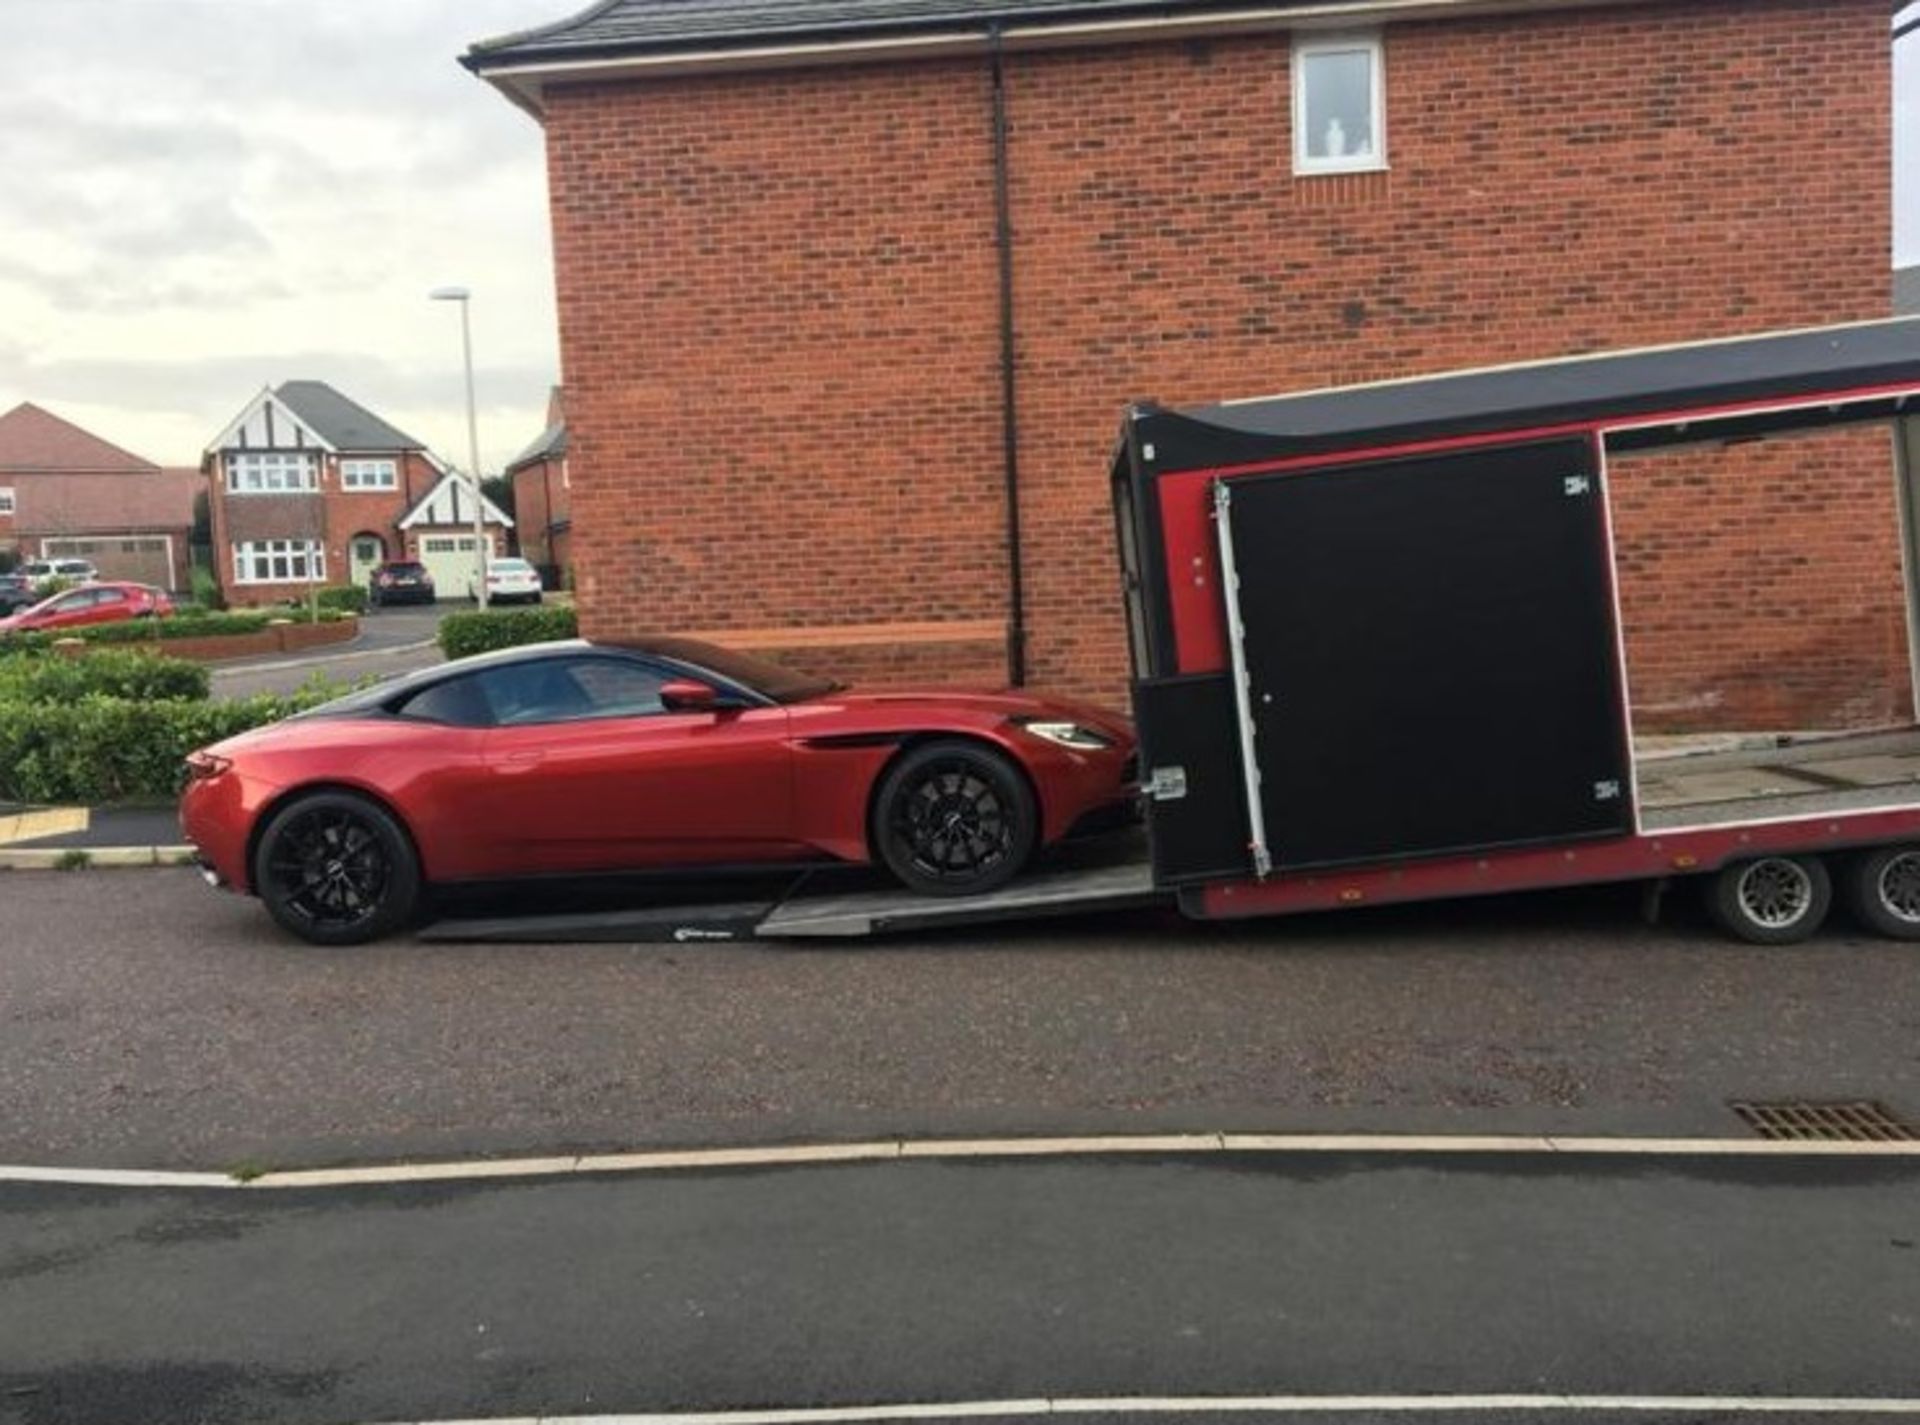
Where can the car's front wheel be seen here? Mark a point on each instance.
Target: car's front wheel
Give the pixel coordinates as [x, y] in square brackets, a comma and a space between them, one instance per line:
[954, 818]
[337, 869]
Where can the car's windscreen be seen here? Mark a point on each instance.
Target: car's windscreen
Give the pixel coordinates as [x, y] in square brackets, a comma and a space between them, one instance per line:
[771, 680]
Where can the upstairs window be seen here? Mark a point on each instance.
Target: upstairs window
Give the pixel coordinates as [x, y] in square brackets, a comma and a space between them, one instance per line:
[6, 499]
[1339, 105]
[257, 472]
[369, 475]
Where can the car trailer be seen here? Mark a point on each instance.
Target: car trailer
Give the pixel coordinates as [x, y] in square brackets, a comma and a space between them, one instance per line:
[1377, 656]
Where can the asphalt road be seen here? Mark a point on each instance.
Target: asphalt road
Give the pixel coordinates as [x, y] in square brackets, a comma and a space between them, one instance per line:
[915, 1282]
[390, 642]
[146, 1021]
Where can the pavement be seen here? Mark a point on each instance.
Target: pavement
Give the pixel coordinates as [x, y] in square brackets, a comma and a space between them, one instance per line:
[1442, 1277]
[148, 1021]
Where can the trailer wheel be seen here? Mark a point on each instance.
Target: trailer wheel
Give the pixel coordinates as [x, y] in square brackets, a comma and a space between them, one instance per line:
[1774, 900]
[1881, 889]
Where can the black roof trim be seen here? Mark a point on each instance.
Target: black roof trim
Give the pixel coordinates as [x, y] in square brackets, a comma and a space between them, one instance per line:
[614, 29]
[1608, 388]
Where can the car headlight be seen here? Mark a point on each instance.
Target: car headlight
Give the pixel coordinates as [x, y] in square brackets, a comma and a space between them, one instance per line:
[1067, 734]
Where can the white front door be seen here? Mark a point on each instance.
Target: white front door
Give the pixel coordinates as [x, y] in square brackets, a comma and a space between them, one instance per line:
[364, 553]
[450, 560]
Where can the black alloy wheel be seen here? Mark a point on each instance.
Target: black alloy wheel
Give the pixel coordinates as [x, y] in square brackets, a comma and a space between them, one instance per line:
[337, 869]
[954, 818]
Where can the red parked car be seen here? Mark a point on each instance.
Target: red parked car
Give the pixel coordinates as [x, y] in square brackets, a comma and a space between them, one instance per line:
[89, 604]
[666, 753]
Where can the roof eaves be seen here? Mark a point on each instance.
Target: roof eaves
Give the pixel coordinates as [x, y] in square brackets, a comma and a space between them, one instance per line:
[522, 73]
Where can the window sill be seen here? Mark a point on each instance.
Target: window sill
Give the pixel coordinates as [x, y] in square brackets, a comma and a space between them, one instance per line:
[1339, 170]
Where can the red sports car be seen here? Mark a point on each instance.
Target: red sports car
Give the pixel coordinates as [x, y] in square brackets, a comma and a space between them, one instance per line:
[664, 753]
[89, 604]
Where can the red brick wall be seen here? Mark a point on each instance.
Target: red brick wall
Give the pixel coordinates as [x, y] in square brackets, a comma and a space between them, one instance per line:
[541, 497]
[777, 306]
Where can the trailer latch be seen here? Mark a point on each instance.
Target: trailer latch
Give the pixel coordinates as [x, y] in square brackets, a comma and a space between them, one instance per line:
[1167, 784]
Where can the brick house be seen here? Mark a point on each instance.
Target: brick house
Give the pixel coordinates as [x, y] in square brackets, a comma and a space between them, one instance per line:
[65, 493]
[543, 498]
[311, 488]
[850, 296]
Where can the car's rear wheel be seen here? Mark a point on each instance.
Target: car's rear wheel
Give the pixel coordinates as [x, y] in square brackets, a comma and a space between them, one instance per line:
[337, 869]
[954, 818]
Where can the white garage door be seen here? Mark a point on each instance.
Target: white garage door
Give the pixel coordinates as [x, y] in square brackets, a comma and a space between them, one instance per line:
[142, 559]
[450, 560]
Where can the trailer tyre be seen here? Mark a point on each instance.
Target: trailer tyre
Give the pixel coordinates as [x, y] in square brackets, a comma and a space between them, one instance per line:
[1772, 900]
[1881, 889]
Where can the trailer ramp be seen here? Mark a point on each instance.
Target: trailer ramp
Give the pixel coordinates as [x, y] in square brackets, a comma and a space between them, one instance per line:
[1104, 874]
[1071, 891]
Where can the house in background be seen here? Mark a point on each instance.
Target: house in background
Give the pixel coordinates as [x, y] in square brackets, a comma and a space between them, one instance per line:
[1906, 291]
[310, 487]
[68, 494]
[851, 296]
[543, 498]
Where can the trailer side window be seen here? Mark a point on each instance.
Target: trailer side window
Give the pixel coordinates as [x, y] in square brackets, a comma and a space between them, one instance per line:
[1339, 104]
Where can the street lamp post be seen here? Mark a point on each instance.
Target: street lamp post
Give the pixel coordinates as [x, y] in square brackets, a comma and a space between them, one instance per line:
[463, 297]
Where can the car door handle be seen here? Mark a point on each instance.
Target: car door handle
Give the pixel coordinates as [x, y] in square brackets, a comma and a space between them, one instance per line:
[522, 761]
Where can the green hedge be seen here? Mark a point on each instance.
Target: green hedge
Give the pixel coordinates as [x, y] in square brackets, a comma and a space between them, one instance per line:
[464, 634]
[344, 598]
[158, 630]
[111, 749]
[109, 673]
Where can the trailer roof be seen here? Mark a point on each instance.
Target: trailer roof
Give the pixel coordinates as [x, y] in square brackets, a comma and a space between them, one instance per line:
[1617, 388]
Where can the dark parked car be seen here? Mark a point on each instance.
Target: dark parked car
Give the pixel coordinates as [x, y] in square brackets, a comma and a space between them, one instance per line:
[16, 592]
[401, 581]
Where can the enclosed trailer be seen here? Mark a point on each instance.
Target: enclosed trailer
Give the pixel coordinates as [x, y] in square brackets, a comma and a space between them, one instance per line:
[1377, 647]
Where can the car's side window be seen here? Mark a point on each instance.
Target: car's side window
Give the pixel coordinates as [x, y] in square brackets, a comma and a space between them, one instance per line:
[572, 690]
[461, 702]
[620, 687]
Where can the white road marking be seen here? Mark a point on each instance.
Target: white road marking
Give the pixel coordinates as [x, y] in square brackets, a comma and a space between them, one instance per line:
[1247, 1404]
[934, 1149]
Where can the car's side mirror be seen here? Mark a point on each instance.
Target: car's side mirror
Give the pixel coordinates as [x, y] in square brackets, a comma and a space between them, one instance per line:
[688, 695]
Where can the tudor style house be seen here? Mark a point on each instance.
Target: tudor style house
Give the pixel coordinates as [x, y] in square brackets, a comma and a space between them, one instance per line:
[67, 494]
[311, 488]
[851, 296]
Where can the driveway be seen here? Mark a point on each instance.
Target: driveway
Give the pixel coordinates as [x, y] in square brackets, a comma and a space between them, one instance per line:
[390, 642]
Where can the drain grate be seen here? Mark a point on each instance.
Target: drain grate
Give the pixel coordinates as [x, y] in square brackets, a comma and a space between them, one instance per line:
[1854, 1122]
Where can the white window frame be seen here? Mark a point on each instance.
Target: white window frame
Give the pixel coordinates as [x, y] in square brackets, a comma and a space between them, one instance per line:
[7, 505]
[272, 472]
[364, 474]
[279, 561]
[1369, 43]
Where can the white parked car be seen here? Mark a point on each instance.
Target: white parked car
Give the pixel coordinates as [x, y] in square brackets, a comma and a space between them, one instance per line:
[72, 571]
[511, 581]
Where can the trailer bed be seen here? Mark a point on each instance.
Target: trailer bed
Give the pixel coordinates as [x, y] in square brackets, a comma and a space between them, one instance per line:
[1780, 779]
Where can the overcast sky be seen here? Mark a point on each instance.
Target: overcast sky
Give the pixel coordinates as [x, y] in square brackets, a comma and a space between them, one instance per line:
[202, 197]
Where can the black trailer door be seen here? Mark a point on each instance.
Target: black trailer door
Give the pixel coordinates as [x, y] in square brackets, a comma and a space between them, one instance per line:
[1430, 654]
